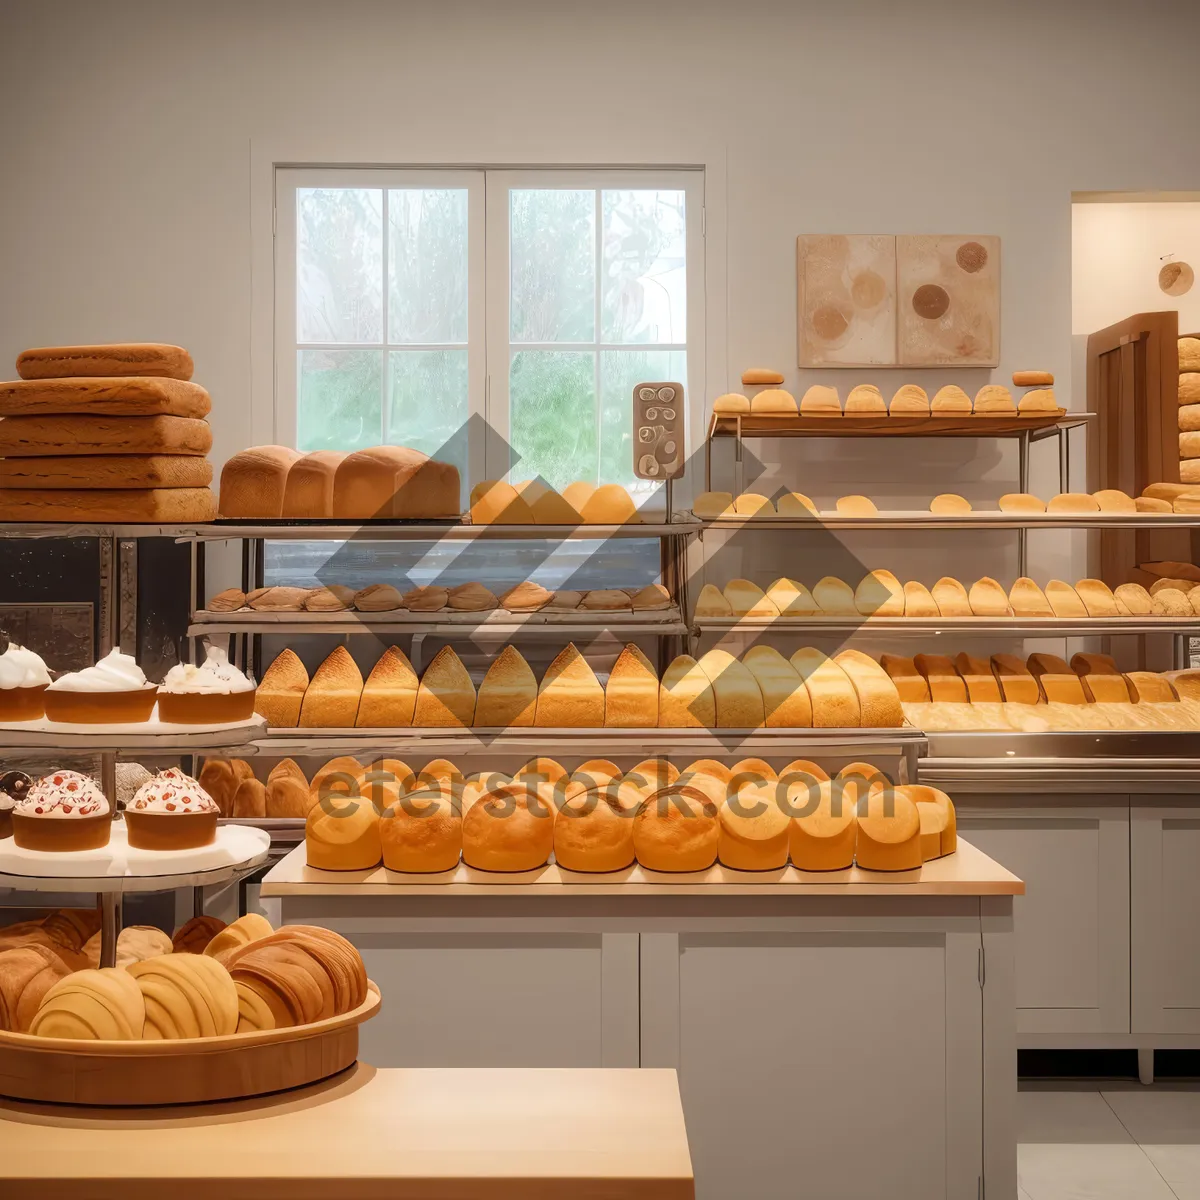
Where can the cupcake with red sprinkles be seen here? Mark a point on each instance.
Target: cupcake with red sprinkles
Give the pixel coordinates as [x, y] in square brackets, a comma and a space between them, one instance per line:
[63, 812]
[171, 812]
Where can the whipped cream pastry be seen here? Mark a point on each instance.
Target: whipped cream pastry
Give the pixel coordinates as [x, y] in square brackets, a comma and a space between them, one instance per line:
[216, 675]
[172, 791]
[63, 794]
[22, 668]
[115, 672]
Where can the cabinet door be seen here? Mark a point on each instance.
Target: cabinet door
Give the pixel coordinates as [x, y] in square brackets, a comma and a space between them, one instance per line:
[1165, 903]
[838, 1064]
[1072, 925]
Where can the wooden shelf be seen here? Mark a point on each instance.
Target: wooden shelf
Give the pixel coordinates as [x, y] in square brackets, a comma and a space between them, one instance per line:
[747, 425]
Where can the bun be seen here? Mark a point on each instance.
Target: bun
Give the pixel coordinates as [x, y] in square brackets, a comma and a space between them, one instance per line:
[709, 505]
[1021, 502]
[1073, 502]
[818, 401]
[856, 506]
[281, 693]
[495, 502]
[795, 506]
[609, 504]
[909, 401]
[1150, 504]
[834, 698]
[951, 400]
[308, 488]
[570, 695]
[253, 482]
[879, 594]
[949, 504]
[824, 827]
[994, 399]
[748, 504]
[747, 599]
[774, 401]
[507, 830]
[791, 599]
[508, 694]
[785, 698]
[866, 398]
[389, 696]
[631, 696]
[738, 699]
[92, 1005]
[446, 695]
[331, 700]
[1032, 379]
[952, 599]
[759, 375]
[685, 697]
[676, 829]
[731, 403]
[1114, 501]
[889, 831]
[1041, 400]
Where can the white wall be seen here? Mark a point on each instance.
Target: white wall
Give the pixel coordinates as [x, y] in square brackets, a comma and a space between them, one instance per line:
[130, 132]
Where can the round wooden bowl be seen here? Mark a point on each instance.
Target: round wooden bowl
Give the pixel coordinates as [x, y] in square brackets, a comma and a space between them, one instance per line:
[192, 1070]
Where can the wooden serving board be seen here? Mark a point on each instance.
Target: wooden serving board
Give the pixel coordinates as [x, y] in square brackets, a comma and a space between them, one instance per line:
[190, 1070]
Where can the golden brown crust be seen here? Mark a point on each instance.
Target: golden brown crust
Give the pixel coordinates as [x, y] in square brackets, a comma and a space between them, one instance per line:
[107, 471]
[119, 358]
[56, 435]
[131, 506]
[130, 397]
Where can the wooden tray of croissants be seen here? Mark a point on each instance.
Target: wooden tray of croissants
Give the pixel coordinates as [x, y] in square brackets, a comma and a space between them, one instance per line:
[220, 1012]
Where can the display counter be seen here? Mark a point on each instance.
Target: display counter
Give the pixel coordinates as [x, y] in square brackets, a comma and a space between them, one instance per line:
[802, 1016]
[368, 1134]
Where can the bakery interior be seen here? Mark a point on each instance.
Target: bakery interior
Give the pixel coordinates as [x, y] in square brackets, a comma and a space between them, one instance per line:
[617, 531]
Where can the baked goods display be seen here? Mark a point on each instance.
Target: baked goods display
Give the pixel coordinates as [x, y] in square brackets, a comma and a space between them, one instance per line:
[209, 694]
[62, 812]
[717, 691]
[1189, 409]
[595, 819]
[171, 812]
[113, 692]
[105, 433]
[379, 483]
[533, 502]
[23, 682]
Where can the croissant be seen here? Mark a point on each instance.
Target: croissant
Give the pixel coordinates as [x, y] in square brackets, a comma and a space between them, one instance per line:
[26, 975]
[186, 996]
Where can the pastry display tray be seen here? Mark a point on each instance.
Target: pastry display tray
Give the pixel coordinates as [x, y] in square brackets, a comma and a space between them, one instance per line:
[146, 737]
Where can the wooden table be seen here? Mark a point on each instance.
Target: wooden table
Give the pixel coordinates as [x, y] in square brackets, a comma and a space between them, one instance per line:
[402, 1134]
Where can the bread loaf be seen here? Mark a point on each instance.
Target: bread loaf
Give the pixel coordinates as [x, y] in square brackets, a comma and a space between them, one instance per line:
[709, 505]
[550, 508]
[747, 599]
[976, 674]
[593, 833]
[939, 827]
[341, 833]
[946, 686]
[107, 471]
[56, 435]
[754, 830]
[1017, 684]
[795, 506]
[253, 482]
[818, 401]
[785, 698]
[286, 793]
[308, 488]
[775, 402]
[749, 504]
[334, 598]
[1132, 600]
[889, 831]
[739, 701]
[157, 506]
[685, 697]
[919, 601]
[994, 400]
[609, 504]
[508, 830]
[331, 701]
[649, 775]
[856, 506]
[951, 400]
[834, 697]
[677, 829]
[1148, 687]
[389, 695]
[1189, 355]
[864, 400]
[1056, 681]
[988, 599]
[731, 403]
[220, 777]
[1097, 598]
[1077, 503]
[394, 482]
[281, 692]
[570, 695]
[951, 598]
[250, 800]
[495, 502]
[508, 693]
[909, 401]
[824, 828]
[446, 695]
[949, 504]
[712, 603]
[878, 699]
[92, 1005]
[1028, 600]
[792, 599]
[1149, 504]
[631, 694]
[1064, 600]
[835, 597]
[526, 597]
[153, 359]
[1113, 500]
[421, 831]
[1021, 502]
[577, 494]
[879, 594]
[753, 376]
[1041, 400]
[911, 686]
[1102, 682]
[381, 781]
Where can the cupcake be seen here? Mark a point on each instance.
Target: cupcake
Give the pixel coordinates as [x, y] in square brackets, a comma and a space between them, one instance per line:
[62, 811]
[210, 694]
[171, 812]
[113, 692]
[23, 682]
[13, 787]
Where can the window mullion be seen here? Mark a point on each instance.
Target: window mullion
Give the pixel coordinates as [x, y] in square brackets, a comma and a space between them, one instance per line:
[385, 404]
[599, 219]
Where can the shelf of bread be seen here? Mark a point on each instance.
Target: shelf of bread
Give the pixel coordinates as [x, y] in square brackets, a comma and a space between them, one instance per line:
[217, 1012]
[967, 627]
[1010, 424]
[426, 531]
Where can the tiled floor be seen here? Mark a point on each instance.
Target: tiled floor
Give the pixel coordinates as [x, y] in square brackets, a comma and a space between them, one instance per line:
[1110, 1142]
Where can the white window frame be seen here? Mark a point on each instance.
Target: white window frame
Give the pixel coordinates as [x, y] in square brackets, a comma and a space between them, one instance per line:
[488, 345]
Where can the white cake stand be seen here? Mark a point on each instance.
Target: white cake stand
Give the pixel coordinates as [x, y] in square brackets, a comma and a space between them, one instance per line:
[118, 868]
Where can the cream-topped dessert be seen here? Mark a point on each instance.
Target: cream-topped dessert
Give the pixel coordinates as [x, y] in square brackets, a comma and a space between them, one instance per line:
[114, 691]
[209, 694]
[62, 811]
[23, 680]
[171, 811]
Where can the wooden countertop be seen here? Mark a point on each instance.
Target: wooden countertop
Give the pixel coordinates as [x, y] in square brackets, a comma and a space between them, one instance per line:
[403, 1134]
[968, 872]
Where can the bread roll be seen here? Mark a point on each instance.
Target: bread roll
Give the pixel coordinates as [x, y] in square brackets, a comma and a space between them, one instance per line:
[1112, 500]
[731, 403]
[951, 598]
[677, 829]
[754, 831]
[775, 402]
[1032, 379]
[250, 800]
[949, 504]
[421, 830]
[988, 599]
[508, 830]
[278, 599]
[823, 829]
[865, 399]
[994, 399]
[1073, 502]
[1102, 682]
[1149, 504]
[709, 505]
[1097, 598]
[1041, 400]
[1148, 687]
[92, 1005]
[856, 506]
[878, 699]
[951, 400]
[818, 401]
[331, 701]
[712, 603]
[1188, 503]
[909, 401]
[570, 695]
[919, 601]
[1189, 414]
[1028, 600]
[835, 699]
[471, 597]
[1132, 600]
[526, 597]
[286, 794]
[27, 973]
[1064, 600]
[889, 831]
[220, 777]
[394, 482]
[631, 694]
[334, 598]
[446, 695]
[152, 359]
[508, 693]
[1017, 684]
[1056, 681]
[791, 599]
[594, 833]
[753, 376]
[834, 597]
[186, 996]
[253, 482]
[378, 597]
[609, 504]
[976, 674]
[795, 506]
[946, 685]
[1021, 502]
[911, 686]
[389, 696]
[495, 502]
[565, 600]
[739, 701]
[749, 504]
[879, 594]
[939, 827]
[747, 599]
[785, 698]
[280, 694]
[685, 697]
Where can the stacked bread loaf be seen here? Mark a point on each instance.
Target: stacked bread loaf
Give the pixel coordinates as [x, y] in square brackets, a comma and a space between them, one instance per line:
[717, 691]
[382, 482]
[105, 433]
[1189, 409]
[597, 818]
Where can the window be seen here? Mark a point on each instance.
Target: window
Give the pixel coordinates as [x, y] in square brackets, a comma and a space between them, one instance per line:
[408, 302]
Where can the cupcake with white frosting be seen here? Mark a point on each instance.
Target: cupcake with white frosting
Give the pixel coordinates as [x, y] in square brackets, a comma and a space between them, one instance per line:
[63, 811]
[171, 812]
[113, 692]
[209, 694]
[23, 682]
